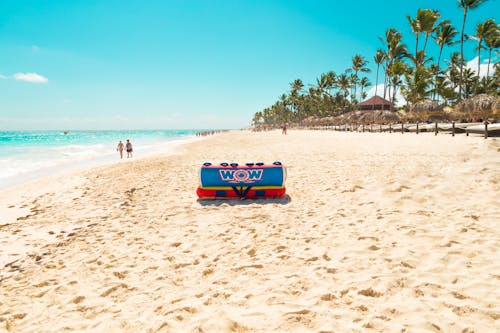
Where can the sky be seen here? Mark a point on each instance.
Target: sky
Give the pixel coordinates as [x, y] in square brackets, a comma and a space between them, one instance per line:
[110, 64]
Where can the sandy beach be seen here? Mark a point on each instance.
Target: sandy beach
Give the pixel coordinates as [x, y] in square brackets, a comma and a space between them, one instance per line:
[378, 233]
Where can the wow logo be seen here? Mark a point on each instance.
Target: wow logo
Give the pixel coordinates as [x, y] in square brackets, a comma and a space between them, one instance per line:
[241, 175]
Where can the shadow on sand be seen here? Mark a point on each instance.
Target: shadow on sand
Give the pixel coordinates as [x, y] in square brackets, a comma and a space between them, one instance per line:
[284, 200]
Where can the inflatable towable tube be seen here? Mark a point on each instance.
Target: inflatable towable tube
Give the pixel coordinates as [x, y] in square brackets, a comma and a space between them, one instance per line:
[252, 180]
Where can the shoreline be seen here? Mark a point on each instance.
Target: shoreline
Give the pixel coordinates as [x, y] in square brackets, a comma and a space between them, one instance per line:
[377, 233]
[165, 147]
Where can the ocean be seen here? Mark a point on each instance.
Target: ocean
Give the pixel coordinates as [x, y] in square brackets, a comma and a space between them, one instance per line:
[26, 155]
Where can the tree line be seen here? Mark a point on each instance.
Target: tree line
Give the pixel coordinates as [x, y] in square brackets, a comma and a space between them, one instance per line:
[414, 73]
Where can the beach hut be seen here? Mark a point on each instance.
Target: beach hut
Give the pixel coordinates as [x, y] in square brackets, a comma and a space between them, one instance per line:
[375, 103]
[376, 110]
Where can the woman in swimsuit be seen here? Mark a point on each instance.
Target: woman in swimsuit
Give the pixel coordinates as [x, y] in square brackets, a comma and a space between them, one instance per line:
[119, 148]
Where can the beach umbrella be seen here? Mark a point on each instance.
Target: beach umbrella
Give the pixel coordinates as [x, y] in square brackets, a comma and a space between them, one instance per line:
[381, 117]
[429, 110]
[481, 105]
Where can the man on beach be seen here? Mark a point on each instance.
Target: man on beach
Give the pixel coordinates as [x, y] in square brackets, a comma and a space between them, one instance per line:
[128, 147]
[119, 148]
[284, 128]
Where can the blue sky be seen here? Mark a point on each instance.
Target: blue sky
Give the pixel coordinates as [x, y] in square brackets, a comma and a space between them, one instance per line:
[109, 64]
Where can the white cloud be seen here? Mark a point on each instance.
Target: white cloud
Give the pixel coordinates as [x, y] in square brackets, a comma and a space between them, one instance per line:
[31, 77]
[400, 101]
[2, 76]
[484, 66]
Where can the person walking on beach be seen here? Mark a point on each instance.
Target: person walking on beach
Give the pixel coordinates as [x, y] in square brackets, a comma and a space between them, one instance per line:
[128, 147]
[119, 148]
[284, 127]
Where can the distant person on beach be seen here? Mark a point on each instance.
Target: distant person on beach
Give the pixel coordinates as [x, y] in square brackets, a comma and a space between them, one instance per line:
[119, 148]
[128, 147]
[285, 125]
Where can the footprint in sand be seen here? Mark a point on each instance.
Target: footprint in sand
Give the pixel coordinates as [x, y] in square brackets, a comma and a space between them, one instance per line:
[77, 299]
[370, 293]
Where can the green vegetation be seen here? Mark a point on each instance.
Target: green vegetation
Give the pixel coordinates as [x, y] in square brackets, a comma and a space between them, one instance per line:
[417, 75]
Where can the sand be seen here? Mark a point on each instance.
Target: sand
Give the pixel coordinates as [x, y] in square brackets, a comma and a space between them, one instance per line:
[379, 232]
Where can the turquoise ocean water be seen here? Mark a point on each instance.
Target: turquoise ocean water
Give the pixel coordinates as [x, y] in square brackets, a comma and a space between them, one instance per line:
[25, 155]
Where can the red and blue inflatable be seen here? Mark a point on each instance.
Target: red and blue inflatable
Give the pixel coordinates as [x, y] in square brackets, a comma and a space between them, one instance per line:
[252, 180]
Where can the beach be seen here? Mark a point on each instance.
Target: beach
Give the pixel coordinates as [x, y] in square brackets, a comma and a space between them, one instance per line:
[378, 232]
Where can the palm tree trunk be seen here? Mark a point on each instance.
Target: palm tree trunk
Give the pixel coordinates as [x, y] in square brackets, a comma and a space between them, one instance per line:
[388, 91]
[385, 83]
[462, 55]
[488, 69]
[479, 59]
[416, 44]
[439, 57]
[425, 43]
[439, 68]
[356, 73]
[478, 65]
[376, 79]
[394, 94]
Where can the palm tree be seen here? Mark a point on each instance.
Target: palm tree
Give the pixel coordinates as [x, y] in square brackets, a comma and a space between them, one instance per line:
[321, 84]
[331, 78]
[344, 84]
[295, 89]
[354, 79]
[466, 5]
[423, 23]
[395, 51]
[358, 65]
[285, 102]
[482, 30]
[444, 89]
[392, 37]
[445, 33]
[492, 41]
[469, 80]
[364, 83]
[415, 28]
[257, 118]
[419, 59]
[418, 81]
[378, 59]
[296, 86]
[397, 69]
[427, 21]
[453, 71]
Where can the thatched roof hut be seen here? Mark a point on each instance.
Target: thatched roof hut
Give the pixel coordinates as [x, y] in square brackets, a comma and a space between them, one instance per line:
[311, 120]
[369, 117]
[327, 121]
[427, 106]
[479, 105]
[428, 110]
[381, 116]
[375, 103]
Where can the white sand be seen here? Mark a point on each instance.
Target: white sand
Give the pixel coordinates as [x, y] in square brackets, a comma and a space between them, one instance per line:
[380, 232]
